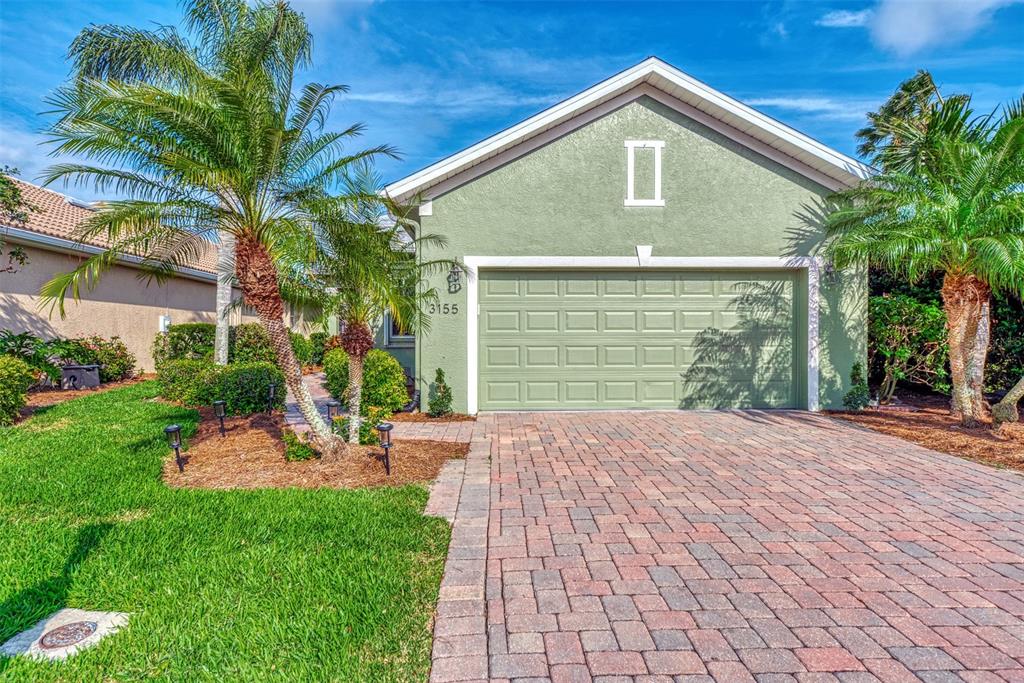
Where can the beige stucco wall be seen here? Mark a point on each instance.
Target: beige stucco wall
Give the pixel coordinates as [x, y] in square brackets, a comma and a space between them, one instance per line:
[121, 305]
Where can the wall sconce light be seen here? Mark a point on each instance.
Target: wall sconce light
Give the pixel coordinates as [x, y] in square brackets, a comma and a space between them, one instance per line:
[454, 279]
[384, 431]
[173, 433]
[220, 410]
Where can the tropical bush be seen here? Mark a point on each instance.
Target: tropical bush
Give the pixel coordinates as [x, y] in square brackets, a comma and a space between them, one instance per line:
[383, 382]
[318, 340]
[368, 435]
[245, 387]
[15, 378]
[302, 348]
[336, 373]
[859, 396]
[186, 340]
[250, 343]
[440, 396]
[907, 343]
[34, 351]
[115, 360]
[295, 448]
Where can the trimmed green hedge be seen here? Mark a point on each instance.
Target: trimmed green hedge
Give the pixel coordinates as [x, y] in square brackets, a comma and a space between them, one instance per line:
[250, 343]
[15, 379]
[193, 341]
[302, 347]
[336, 373]
[244, 386]
[383, 380]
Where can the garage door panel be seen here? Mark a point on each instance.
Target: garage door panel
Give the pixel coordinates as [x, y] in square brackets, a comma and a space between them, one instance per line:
[656, 339]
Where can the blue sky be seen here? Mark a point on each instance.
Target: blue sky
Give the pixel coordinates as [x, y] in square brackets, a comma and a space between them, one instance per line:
[432, 78]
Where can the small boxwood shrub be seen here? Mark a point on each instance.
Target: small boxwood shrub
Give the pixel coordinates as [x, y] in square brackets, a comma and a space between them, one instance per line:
[15, 379]
[295, 448]
[302, 347]
[244, 386]
[440, 396]
[336, 373]
[250, 343]
[194, 341]
[318, 340]
[859, 396]
[383, 380]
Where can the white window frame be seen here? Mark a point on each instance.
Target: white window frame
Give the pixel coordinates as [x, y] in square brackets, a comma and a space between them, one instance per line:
[631, 147]
[642, 261]
[396, 339]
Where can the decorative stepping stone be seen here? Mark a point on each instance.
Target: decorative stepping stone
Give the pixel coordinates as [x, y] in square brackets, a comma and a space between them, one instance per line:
[64, 633]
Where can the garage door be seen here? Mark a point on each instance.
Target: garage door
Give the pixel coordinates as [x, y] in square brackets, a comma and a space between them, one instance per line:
[631, 339]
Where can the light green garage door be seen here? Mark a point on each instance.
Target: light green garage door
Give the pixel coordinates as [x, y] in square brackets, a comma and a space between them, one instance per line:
[631, 339]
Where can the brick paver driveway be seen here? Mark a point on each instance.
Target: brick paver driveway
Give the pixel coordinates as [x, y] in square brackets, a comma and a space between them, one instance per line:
[698, 546]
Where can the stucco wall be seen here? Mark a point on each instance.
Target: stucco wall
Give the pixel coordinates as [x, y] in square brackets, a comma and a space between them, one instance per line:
[121, 305]
[566, 199]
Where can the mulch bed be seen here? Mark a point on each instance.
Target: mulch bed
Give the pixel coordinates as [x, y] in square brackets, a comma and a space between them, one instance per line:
[251, 455]
[43, 397]
[423, 417]
[925, 420]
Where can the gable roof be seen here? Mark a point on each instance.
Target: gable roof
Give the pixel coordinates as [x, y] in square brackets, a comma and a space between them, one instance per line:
[653, 76]
[58, 216]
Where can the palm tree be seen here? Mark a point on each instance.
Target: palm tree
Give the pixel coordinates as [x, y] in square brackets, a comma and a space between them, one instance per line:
[204, 138]
[366, 269]
[961, 213]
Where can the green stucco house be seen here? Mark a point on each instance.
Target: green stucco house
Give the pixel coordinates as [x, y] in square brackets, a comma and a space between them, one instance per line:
[647, 243]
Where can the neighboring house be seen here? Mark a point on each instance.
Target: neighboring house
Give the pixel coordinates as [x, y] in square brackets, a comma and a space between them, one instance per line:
[122, 304]
[648, 243]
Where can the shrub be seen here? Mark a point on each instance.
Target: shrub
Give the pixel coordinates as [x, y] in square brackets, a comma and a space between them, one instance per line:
[115, 360]
[250, 343]
[333, 342]
[368, 435]
[244, 386]
[907, 342]
[440, 396]
[73, 352]
[15, 378]
[318, 340]
[193, 341]
[383, 382]
[302, 347]
[859, 396]
[336, 373]
[295, 448]
[32, 350]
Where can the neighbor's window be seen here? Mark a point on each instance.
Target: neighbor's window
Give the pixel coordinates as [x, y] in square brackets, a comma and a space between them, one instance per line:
[643, 173]
[396, 334]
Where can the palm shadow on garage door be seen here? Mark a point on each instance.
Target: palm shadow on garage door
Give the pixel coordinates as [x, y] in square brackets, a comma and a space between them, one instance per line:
[753, 362]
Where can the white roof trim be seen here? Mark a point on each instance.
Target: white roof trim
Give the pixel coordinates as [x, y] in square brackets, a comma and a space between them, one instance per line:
[844, 170]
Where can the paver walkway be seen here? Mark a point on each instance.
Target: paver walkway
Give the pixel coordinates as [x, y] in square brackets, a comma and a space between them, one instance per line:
[730, 547]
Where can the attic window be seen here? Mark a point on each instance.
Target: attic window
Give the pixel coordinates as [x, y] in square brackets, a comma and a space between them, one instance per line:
[655, 147]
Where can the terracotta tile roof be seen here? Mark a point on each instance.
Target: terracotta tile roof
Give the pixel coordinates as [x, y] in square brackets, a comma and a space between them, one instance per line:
[57, 215]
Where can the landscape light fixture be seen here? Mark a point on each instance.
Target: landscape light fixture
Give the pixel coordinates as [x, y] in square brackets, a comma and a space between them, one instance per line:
[384, 431]
[333, 410]
[272, 395]
[220, 409]
[173, 433]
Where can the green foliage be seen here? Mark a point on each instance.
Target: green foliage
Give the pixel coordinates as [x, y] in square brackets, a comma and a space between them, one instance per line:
[440, 396]
[15, 378]
[81, 483]
[296, 449]
[336, 373]
[318, 340]
[907, 343]
[1006, 352]
[31, 349]
[250, 343]
[14, 210]
[302, 348]
[188, 340]
[383, 382]
[859, 396]
[115, 360]
[244, 386]
[368, 435]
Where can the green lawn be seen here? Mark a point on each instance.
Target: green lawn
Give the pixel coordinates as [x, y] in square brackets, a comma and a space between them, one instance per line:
[236, 585]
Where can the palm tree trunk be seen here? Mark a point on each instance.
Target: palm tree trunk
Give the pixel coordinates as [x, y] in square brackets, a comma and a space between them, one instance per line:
[225, 275]
[981, 340]
[355, 396]
[257, 276]
[963, 297]
[1006, 410]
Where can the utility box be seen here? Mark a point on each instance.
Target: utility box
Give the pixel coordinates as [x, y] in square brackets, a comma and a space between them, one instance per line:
[79, 376]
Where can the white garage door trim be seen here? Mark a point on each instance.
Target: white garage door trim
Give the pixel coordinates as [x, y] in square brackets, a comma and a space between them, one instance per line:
[643, 261]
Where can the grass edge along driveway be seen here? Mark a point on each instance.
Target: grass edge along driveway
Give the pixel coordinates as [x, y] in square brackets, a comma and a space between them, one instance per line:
[222, 585]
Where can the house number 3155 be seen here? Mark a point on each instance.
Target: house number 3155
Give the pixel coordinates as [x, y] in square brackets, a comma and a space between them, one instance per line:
[444, 309]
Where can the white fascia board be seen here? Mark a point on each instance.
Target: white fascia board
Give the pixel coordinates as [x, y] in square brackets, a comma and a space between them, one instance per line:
[717, 104]
[35, 239]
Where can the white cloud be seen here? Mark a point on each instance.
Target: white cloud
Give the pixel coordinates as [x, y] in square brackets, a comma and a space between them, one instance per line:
[819, 107]
[905, 28]
[842, 18]
[455, 100]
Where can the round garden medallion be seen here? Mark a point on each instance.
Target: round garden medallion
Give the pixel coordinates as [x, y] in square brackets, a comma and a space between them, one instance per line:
[67, 635]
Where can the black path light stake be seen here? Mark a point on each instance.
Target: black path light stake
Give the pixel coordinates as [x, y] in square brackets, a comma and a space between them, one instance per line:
[173, 433]
[333, 411]
[271, 397]
[220, 409]
[384, 430]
